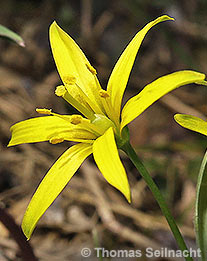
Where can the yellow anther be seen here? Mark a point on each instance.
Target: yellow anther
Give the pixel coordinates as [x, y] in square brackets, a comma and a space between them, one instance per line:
[91, 69]
[60, 90]
[44, 111]
[69, 79]
[76, 119]
[56, 140]
[104, 94]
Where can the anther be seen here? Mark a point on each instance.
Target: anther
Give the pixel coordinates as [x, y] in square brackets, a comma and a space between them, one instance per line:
[44, 111]
[60, 90]
[69, 79]
[91, 69]
[104, 94]
[56, 140]
[76, 119]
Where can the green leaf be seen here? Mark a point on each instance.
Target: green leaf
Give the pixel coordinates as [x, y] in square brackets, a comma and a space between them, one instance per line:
[201, 209]
[5, 32]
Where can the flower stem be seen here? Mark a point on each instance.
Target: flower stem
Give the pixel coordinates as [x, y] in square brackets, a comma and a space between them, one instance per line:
[201, 209]
[128, 149]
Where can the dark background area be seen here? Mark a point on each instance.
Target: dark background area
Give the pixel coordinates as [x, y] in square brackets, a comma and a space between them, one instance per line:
[89, 212]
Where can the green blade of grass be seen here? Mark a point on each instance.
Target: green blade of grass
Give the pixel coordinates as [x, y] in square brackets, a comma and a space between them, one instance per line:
[5, 32]
[201, 209]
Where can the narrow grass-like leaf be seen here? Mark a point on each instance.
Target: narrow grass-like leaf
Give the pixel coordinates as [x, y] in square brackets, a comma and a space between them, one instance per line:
[5, 32]
[201, 209]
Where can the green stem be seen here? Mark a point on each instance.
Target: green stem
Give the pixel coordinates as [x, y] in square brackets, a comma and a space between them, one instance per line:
[201, 209]
[127, 148]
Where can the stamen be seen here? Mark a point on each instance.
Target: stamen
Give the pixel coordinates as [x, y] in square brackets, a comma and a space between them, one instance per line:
[56, 140]
[76, 119]
[91, 69]
[69, 79]
[63, 92]
[104, 94]
[44, 111]
[60, 90]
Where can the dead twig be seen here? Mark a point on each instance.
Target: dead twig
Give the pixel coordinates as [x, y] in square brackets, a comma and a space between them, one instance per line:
[175, 104]
[86, 18]
[107, 215]
[15, 231]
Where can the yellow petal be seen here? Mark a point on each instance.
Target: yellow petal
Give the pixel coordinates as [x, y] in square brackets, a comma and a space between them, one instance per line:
[73, 67]
[45, 128]
[107, 159]
[192, 123]
[155, 90]
[120, 74]
[53, 183]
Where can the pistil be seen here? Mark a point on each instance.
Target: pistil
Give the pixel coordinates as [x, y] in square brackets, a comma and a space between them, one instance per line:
[62, 91]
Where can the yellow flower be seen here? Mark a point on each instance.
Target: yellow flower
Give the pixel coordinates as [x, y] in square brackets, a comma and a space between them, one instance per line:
[101, 131]
[192, 123]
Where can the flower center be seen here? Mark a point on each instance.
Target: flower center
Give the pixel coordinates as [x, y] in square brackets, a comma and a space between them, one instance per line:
[103, 123]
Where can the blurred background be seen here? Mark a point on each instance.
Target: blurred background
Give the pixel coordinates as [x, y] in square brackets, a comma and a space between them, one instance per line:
[89, 212]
